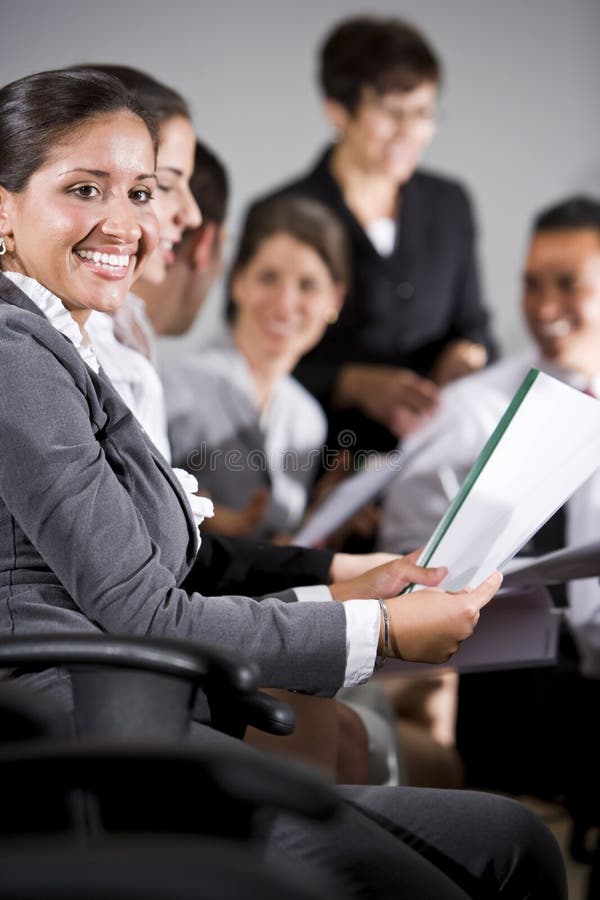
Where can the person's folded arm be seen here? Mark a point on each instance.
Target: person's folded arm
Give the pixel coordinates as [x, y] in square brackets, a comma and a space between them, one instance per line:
[234, 565]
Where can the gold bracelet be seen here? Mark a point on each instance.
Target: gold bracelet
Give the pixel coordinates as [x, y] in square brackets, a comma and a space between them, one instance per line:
[386, 634]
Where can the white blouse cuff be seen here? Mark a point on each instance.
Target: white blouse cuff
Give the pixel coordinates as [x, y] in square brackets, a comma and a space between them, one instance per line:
[363, 619]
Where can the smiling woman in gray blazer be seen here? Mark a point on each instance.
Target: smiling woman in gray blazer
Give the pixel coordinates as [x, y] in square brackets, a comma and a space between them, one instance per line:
[96, 533]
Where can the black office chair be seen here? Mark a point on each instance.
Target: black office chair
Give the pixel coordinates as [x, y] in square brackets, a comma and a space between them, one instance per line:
[25, 715]
[129, 774]
[153, 870]
[146, 687]
[91, 788]
[129, 766]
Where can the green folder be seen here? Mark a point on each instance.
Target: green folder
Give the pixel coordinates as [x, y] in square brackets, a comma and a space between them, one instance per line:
[476, 470]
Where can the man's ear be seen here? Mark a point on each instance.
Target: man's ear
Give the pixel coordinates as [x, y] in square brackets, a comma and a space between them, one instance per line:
[205, 246]
[336, 114]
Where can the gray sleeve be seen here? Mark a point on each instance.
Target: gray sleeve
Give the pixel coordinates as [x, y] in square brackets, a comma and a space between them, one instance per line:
[56, 483]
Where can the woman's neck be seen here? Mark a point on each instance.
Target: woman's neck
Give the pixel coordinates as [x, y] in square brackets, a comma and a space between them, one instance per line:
[266, 370]
[79, 314]
[369, 195]
[80, 317]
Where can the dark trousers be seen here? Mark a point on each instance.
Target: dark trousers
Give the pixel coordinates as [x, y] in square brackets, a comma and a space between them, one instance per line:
[421, 844]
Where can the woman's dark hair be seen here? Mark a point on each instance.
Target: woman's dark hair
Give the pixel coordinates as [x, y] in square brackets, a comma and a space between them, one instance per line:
[38, 111]
[161, 101]
[304, 219]
[387, 55]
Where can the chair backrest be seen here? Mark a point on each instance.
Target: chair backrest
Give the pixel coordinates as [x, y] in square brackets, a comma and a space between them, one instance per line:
[137, 694]
[84, 792]
[89, 788]
[25, 715]
[155, 869]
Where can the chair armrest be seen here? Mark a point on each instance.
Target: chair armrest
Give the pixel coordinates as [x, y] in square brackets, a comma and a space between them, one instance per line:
[233, 713]
[229, 683]
[154, 786]
[193, 660]
[266, 713]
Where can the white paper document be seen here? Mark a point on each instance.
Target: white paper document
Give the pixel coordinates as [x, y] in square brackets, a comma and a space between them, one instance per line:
[562, 565]
[544, 447]
[517, 629]
[348, 497]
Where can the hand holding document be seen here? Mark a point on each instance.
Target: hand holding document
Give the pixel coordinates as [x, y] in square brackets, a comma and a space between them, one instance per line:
[544, 447]
[430, 627]
[517, 629]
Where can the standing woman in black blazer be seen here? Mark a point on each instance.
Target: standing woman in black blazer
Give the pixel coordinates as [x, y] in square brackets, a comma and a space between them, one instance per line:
[413, 318]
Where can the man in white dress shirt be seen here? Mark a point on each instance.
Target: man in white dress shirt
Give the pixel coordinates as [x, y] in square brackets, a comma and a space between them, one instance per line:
[561, 305]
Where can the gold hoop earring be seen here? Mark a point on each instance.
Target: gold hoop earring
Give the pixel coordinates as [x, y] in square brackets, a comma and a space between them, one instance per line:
[2, 246]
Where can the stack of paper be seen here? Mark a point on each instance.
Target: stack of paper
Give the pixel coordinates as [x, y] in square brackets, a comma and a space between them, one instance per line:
[544, 447]
[552, 568]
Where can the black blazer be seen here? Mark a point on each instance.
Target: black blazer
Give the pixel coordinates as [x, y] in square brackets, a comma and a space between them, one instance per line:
[403, 309]
[229, 565]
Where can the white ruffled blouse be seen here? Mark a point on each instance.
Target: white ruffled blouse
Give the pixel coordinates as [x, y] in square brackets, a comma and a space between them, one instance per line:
[57, 315]
[61, 319]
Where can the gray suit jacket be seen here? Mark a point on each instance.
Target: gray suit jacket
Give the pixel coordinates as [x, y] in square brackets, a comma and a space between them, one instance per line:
[95, 532]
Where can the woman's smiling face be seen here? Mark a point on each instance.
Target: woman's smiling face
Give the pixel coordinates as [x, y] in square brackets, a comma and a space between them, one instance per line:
[174, 205]
[84, 222]
[284, 297]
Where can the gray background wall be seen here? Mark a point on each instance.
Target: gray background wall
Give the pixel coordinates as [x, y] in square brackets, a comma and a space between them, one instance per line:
[519, 121]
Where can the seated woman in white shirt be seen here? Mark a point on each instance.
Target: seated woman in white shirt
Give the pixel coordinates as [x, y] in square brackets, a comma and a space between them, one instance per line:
[238, 420]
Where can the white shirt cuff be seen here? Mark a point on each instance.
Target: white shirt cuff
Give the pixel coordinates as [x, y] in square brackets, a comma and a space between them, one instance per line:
[315, 593]
[363, 620]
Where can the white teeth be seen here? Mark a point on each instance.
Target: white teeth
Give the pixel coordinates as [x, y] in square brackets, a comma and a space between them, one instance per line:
[279, 328]
[556, 329]
[106, 260]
